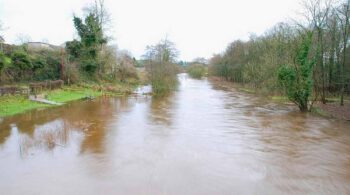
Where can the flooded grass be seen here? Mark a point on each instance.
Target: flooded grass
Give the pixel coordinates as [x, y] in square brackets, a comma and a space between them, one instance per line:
[320, 112]
[16, 104]
[69, 94]
[11, 105]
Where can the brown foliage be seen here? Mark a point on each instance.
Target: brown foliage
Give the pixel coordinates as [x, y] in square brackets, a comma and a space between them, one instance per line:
[38, 86]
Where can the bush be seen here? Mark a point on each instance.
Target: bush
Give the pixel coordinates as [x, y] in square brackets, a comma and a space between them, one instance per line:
[46, 65]
[163, 77]
[89, 66]
[21, 60]
[126, 71]
[196, 70]
[297, 79]
[4, 61]
[71, 74]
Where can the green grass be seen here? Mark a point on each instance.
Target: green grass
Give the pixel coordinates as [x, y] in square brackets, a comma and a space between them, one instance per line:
[71, 94]
[11, 105]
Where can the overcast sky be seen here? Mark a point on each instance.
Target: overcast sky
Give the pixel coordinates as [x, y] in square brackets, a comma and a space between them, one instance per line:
[199, 28]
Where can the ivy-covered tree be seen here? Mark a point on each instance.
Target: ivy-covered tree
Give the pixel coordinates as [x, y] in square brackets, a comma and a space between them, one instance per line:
[296, 79]
[4, 61]
[74, 49]
[90, 32]
[91, 41]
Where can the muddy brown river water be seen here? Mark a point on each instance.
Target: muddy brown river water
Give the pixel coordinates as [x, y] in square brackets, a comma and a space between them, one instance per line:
[201, 139]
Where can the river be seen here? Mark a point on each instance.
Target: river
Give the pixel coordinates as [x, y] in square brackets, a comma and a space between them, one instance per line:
[201, 139]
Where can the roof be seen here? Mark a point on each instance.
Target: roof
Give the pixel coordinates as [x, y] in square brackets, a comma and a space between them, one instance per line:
[2, 39]
[41, 45]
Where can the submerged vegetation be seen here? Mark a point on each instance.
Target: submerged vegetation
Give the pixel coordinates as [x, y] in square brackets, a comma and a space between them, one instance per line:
[196, 70]
[161, 65]
[10, 105]
[15, 104]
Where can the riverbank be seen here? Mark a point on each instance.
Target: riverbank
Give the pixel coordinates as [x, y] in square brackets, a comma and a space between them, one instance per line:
[16, 104]
[244, 140]
[330, 110]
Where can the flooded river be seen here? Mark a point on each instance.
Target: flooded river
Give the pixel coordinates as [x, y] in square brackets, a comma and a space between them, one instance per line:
[201, 139]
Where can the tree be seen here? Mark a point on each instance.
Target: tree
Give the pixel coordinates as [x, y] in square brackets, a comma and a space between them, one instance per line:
[161, 66]
[296, 79]
[126, 66]
[318, 11]
[90, 44]
[4, 61]
[23, 39]
[333, 41]
[74, 49]
[98, 8]
[344, 16]
[164, 51]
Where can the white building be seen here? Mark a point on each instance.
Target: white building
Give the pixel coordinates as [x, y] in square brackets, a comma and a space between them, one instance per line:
[42, 46]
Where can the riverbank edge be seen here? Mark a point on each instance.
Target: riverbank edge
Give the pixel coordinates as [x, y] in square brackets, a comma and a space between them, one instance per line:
[329, 110]
[11, 105]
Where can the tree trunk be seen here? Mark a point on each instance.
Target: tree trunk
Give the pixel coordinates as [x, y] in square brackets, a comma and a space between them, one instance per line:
[345, 41]
[320, 63]
[303, 107]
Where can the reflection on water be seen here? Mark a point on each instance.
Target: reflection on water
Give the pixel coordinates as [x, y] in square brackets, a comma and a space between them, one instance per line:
[201, 139]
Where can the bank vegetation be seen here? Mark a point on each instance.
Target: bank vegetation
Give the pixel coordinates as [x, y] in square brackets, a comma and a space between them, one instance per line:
[307, 59]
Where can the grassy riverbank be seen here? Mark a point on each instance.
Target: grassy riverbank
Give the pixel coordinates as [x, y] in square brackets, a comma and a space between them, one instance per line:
[11, 105]
[15, 104]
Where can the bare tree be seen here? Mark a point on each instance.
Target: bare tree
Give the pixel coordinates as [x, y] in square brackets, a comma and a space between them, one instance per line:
[200, 60]
[161, 65]
[23, 38]
[332, 40]
[317, 12]
[98, 8]
[344, 16]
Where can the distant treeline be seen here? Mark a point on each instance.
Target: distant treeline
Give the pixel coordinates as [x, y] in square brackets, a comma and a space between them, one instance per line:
[305, 60]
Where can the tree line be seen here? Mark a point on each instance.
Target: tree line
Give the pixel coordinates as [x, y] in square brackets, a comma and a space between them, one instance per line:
[306, 60]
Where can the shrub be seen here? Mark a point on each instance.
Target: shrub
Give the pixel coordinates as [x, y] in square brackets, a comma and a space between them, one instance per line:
[196, 70]
[297, 79]
[4, 61]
